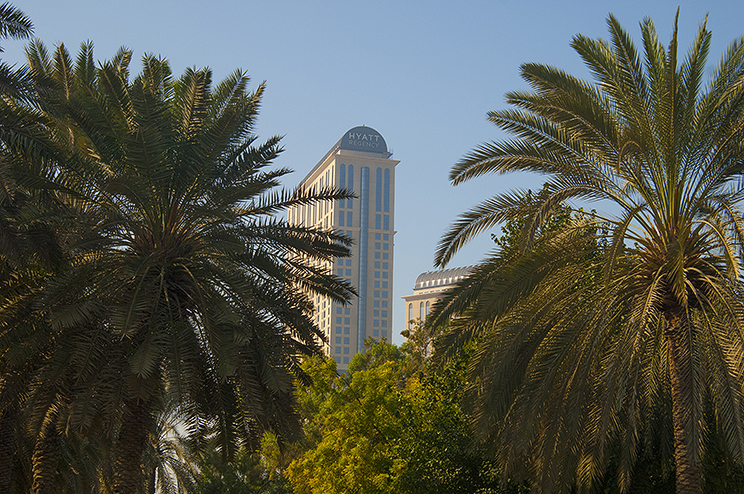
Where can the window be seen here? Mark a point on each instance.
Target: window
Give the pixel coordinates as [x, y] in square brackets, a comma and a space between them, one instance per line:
[422, 314]
[384, 333]
[378, 221]
[377, 265]
[348, 218]
[410, 316]
[348, 272]
[338, 320]
[384, 274]
[347, 320]
[346, 350]
[377, 245]
[375, 333]
[384, 313]
[348, 261]
[346, 330]
[384, 255]
[340, 272]
[377, 274]
[338, 349]
[376, 303]
[384, 323]
[428, 308]
[377, 236]
[384, 246]
[384, 294]
[338, 340]
[384, 265]
[386, 236]
[346, 341]
[376, 323]
[377, 255]
[347, 311]
[375, 313]
[384, 284]
[384, 303]
[338, 310]
[346, 359]
[377, 284]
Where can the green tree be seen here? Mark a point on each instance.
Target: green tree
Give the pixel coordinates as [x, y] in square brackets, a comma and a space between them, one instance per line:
[182, 280]
[389, 425]
[582, 357]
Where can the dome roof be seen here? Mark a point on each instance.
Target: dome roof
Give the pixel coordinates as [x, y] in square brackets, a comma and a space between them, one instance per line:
[441, 277]
[365, 139]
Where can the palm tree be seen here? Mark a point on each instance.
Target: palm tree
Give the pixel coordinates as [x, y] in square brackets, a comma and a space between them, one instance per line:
[593, 335]
[182, 280]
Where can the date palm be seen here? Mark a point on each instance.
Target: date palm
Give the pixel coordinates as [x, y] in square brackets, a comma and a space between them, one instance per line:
[182, 285]
[594, 335]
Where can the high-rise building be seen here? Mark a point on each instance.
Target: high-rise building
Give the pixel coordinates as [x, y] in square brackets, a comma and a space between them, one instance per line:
[359, 162]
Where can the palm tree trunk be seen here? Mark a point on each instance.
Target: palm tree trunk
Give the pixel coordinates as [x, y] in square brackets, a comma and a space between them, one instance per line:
[689, 478]
[46, 457]
[128, 471]
[7, 448]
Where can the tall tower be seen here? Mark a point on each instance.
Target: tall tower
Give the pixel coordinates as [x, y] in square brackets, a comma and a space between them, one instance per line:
[359, 162]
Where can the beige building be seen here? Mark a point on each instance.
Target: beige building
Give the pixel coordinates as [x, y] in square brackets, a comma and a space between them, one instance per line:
[359, 162]
[429, 288]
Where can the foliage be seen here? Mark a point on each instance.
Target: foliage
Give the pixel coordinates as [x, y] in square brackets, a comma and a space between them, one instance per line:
[385, 427]
[168, 277]
[583, 359]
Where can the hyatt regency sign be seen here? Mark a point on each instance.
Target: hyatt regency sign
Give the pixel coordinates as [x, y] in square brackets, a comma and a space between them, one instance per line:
[364, 139]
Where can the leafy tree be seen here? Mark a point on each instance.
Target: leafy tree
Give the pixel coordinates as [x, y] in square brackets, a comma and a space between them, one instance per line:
[387, 426]
[180, 282]
[582, 358]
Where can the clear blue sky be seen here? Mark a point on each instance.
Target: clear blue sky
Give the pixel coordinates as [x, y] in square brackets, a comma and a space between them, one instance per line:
[423, 73]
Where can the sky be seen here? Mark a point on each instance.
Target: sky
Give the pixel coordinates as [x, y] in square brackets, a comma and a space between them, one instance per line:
[422, 73]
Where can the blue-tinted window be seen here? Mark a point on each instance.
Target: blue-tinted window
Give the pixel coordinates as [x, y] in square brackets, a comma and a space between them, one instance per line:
[375, 313]
[348, 218]
[377, 265]
[378, 222]
[386, 236]
[378, 190]
[386, 222]
[346, 351]
[384, 284]
[377, 255]
[377, 284]
[384, 333]
[338, 320]
[348, 272]
[377, 245]
[377, 293]
[338, 340]
[346, 330]
[377, 236]
[384, 274]
[384, 294]
[347, 311]
[377, 274]
[384, 246]
[346, 340]
[384, 255]
[348, 262]
[384, 303]
[376, 303]
[338, 349]
[384, 265]
[376, 323]
[350, 186]
[387, 191]
[384, 323]
[347, 320]
[341, 219]
[375, 333]
[346, 360]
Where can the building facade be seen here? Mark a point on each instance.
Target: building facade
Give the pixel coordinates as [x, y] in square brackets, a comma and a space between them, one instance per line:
[430, 287]
[359, 162]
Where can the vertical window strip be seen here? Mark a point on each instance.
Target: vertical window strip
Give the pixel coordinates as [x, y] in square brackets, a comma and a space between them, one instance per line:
[387, 190]
[378, 190]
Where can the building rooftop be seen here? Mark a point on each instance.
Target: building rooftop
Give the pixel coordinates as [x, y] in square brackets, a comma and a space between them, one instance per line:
[441, 277]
